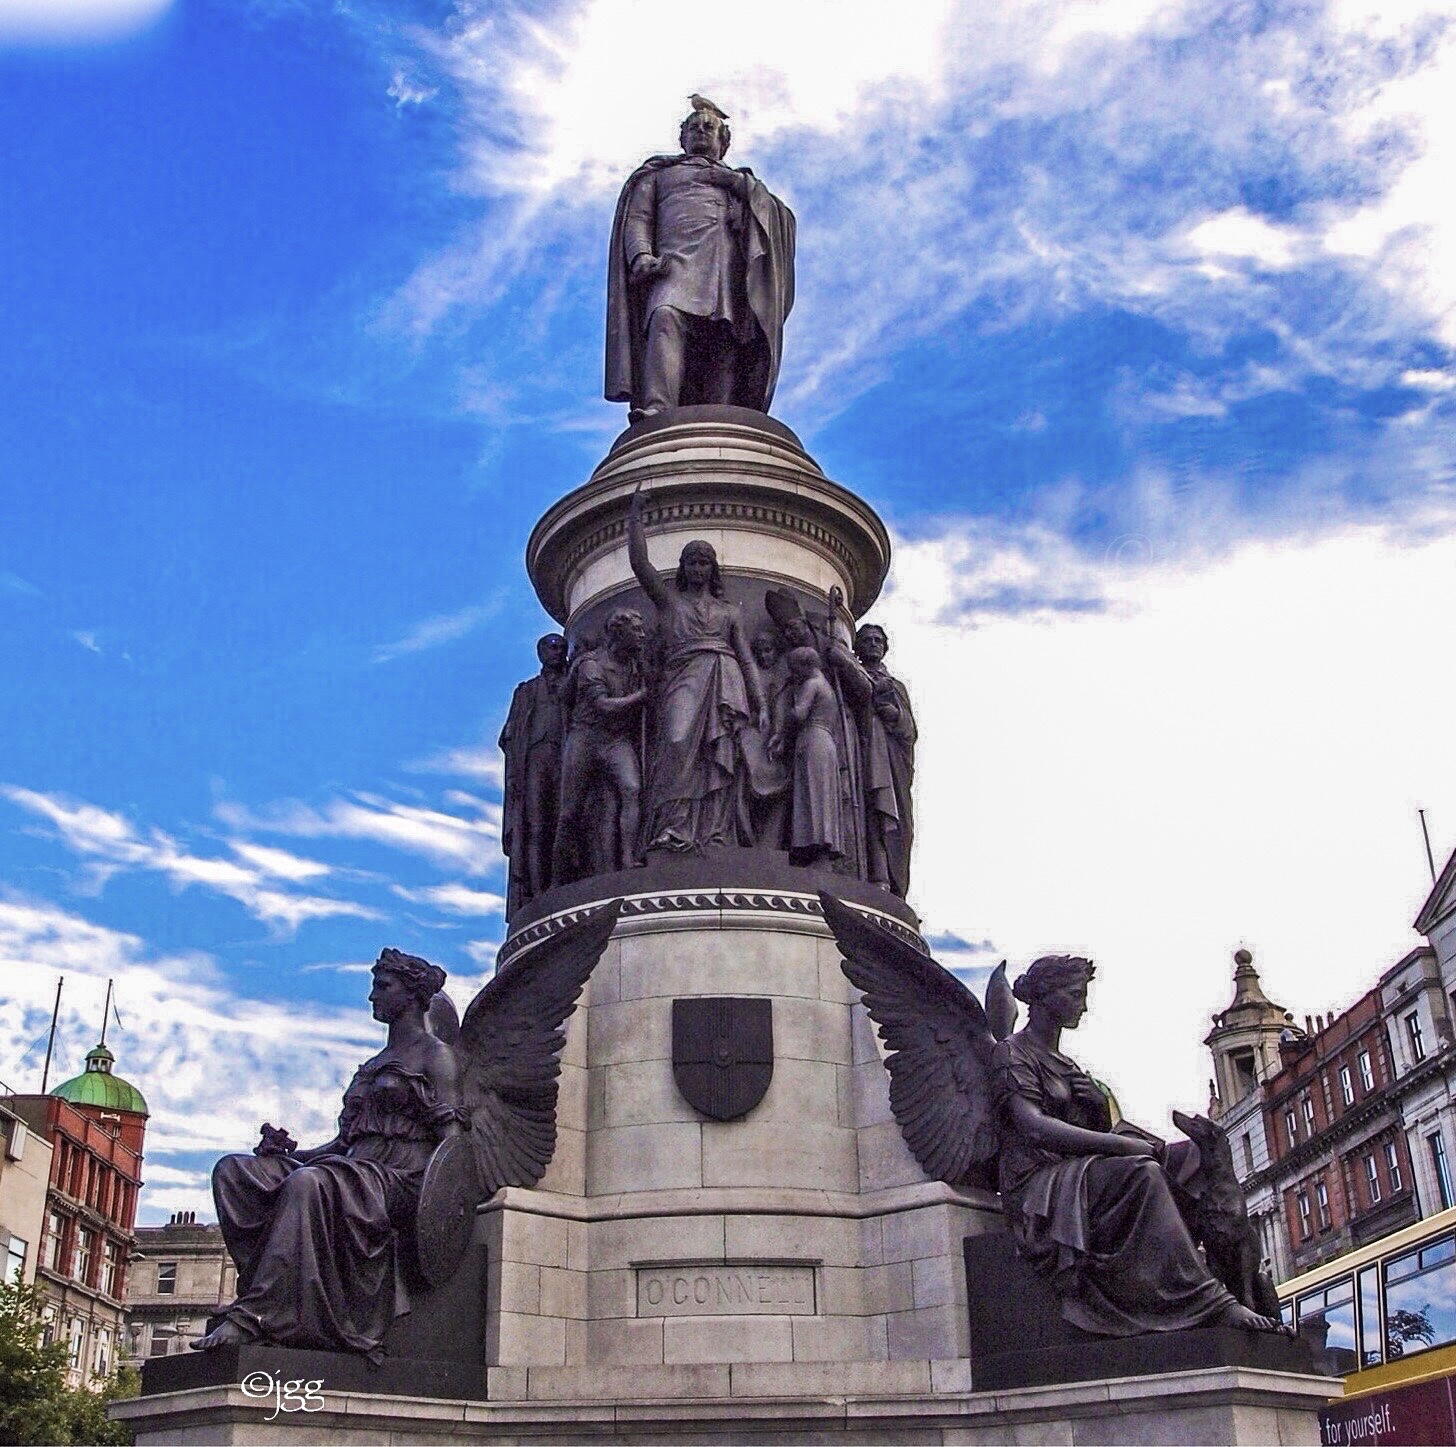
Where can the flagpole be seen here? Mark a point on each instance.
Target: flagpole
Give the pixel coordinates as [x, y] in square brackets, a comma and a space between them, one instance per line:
[106, 1012]
[51, 1043]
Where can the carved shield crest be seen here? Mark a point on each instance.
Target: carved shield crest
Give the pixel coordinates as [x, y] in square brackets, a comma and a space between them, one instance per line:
[722, 1053]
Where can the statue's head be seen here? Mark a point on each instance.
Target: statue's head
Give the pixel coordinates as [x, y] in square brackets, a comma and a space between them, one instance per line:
[705, 132]
[798, 633]
[403, 982]
[803, 663]
[765, 647]
[871, 644]
[1058, 984]
[551, 650]
[625, 631]
[697, 568]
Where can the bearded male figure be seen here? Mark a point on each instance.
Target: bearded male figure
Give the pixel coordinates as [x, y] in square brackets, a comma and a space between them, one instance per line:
[700, 278]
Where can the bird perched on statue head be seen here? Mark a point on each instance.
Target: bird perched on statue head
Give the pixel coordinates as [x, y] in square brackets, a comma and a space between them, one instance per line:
[702, 103]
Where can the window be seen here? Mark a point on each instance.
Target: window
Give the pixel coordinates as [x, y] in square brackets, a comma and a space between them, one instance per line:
[81, 1265]
[47, 1325]
[1334, 1308]
[1370, 1341]
[1443, 1170]
[166, 1278]
[1322, 1200]
[1304, 1228]
[1347, 1085]
[1306, 1104]
[77, 1340]
[1372, 1179]
[1392, 1166]
[15, 1261]
[161, 1340]
[101, 1355]
[1367, 1075]
[55, 1233]
[1291, 1128]
[1420, 1308]
[1248, 1152]
[109, 1268]
[1413, 1030]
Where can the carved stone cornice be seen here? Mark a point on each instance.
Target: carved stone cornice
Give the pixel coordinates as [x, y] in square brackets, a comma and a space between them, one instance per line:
[714, 469]
[778, 906]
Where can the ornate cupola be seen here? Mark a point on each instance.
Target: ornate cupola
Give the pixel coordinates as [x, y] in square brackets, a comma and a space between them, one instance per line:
[1245, 1036]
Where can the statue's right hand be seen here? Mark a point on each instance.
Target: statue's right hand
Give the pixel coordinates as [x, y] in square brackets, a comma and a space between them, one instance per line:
[645, 265]
[1130, 1145]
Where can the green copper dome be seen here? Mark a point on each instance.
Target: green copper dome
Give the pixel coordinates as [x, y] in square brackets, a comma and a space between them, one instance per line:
[99, 1087]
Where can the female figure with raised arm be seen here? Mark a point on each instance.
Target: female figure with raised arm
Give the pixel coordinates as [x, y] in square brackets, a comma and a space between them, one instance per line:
[708, 690]
[315, 1232]
[1090, 1206]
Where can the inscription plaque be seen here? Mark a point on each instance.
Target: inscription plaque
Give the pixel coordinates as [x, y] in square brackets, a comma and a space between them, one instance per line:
[733, 1288]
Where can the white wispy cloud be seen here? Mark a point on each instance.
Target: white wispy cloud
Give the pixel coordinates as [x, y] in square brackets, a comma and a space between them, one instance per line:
[111, 842]
[278, 862]
[454, 898]
[435, 631]
[482, 762]
[405, 92]
[1228, 749]
[467, 842]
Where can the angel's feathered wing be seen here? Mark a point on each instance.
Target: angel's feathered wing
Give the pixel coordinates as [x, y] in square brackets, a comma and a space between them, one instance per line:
[510, 1051]
[939, 1042]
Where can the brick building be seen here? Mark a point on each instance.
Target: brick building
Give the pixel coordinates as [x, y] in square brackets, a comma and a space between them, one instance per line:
[1343, 1129]
[95, 1124]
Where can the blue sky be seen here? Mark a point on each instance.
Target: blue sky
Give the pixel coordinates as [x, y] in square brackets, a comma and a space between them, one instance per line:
[1134, 320]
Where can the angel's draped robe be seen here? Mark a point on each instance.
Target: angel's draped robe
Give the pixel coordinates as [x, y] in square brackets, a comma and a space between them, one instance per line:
[1104, 1230]
[316, 1241]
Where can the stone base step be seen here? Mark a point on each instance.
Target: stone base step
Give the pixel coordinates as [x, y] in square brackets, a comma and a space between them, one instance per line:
[919, 1402]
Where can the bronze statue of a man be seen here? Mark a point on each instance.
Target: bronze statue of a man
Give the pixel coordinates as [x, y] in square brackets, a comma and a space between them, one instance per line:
[531, 742]
[700, 278]
[601, 772]
[887, 735]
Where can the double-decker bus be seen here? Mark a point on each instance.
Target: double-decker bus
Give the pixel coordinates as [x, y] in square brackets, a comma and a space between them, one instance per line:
[1383, 1317]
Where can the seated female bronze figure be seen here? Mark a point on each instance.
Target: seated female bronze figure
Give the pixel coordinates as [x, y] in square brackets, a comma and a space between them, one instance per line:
[331, 1242]
[315, 1232]
[1090, 1204]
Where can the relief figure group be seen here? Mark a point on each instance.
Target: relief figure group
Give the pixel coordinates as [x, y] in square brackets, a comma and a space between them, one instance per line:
[694, 733]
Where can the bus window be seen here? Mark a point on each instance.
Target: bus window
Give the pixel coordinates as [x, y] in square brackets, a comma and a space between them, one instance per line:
[1438, 1252]
[1420, 1299]
[1370, 1337]
[1327, 1322]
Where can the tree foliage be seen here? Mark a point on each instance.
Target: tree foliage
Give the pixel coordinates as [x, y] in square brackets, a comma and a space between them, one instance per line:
[36, 1405]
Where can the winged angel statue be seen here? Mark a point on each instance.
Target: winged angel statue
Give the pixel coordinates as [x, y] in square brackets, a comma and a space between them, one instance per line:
[1097, 1206]
[446, 1114]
